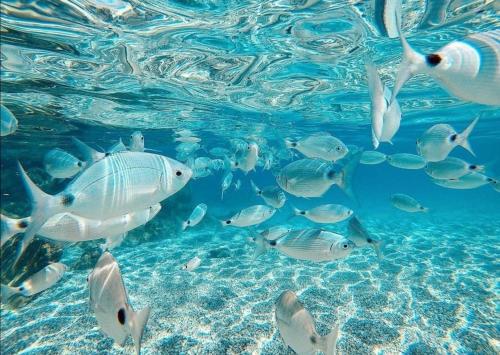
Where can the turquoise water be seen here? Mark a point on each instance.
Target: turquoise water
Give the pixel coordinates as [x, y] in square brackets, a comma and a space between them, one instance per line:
[260, 71]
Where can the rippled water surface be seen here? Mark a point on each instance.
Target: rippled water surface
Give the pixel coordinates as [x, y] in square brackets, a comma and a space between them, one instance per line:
[260, 71]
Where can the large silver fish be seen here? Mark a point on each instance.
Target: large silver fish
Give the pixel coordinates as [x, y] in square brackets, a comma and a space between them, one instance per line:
[196, 216]
[407, 203]
[451, 168]
[272, 195]
[360, 237]
[113, 186]
[250, 216]
[36, 283]
[329, 213]
[8, 122]
[297, 328]
[307, 244]
[62, 165]
[109, 301]
[320, 145]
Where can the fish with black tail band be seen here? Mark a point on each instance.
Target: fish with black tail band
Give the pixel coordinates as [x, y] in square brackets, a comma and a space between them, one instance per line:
[321, 145]
[196, 216]
[451, 168]
[360, 237]
[250, 216]
[407, 203]
[272, 195]
[406, 161]
[372, 157]
[472, 180]
[192, 264]
[329, 213]
[62, 165]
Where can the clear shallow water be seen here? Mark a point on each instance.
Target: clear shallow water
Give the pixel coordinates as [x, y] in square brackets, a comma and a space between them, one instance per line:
[99, 70]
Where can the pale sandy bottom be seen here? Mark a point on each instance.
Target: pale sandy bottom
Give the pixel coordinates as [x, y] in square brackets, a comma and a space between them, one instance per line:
[434, 292]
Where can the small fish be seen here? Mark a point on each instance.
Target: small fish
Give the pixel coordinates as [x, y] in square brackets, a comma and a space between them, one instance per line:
[308, 244]
[250, 216]
[372, 157]
[297, 328]
[117, 147]
[8, 123]
[196, 216]
[470, 181]
[238, 144]
[320, 145]
[187, 148]
[216, 164]
[360, 237]
[191, 264]
[184, 133]
[136, 142]
[202, 162]
[451, 168]
[36, 283]
[406, 161]
[237, 184]
[201, 173]
[226, 182]
[272, 195]
[439, 140]
[219, 152]
[407, 203]
[249, 159]
[110, 303]
[275, 232]
[330, 213]
[61, 165]
[187, 139]
[468, 69]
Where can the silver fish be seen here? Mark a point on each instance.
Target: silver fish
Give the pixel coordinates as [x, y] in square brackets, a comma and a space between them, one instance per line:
[407, 203]
[249, 159]
[275, 232]
[8, 122]
[372, 157]
[272, 195]
[470, 181]
[196, 216]
[36, 283]
[226, 182]
[360, 237]
[451, 168]
[385, 17]
[297, 328]
[192, 264]
[329, 213]
[439, 140]
[320, 145]
[90, 155]
[406, 161]
[237, 184]
[109, 301]
[61, 164]
[136, 142]
[187, 139]
[219, 152]
[250, 216]
[187, 148]
[216, 164]
[308, 244]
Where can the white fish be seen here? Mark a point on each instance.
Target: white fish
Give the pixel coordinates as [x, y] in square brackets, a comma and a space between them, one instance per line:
[249, 159]
[439, 140]
[468, 69]
[36, 283]
[196, 216]
[297, 328]
[386, 117]
[329, 213]
[201, 173]
[320, 145]
[187, 148]
[184, 133]
[109, 301]
[470, 181]
[360, 237]
[406, 161]
[219, 152]
[385, 17]
[226, 182]
[237, 184]
[202, 163]
[272, 195]
[308, 244]
[451, 168]
[250, 216]
[192, 264]
[8, 123]
[136, 142]
[113, 242]
[372, 157]
[69, 227]
[187, 139]
[113, 186]
[61, 164]
[407, 203]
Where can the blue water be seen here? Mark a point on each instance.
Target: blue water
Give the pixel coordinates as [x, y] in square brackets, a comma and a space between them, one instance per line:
[261, 71]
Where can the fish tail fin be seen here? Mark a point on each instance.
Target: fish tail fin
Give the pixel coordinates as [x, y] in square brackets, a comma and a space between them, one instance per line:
[7, 292]
[261, 245]
[255, 188]
[479, 168]
[464, 137]
[328, 343]
[90, 155]
[412, 62]
[347, 175]
[137, 324]
[376, 245]
[10, 227]
[289, 143]
[296, 211]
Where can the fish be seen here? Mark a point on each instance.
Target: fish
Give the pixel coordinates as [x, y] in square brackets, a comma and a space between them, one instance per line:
[307, 244]
[248, 161]
[386, 117]
[196, 216]
[117, 147]
[113, 242]
[219, 152]
[62, 165]
[113, 186]
[360, 237]
[187, 139]
[275, 232]
[216, 164]
[272, 195]
[184, 133]
[439, 140]
[385, 17]
[250, 216]
[238, 144]
[329, 213]
[407, 203]
[297, 328]
[36, 283]
[451, 168]
[110, 303]
[313, 177]
[226, 182]
[472, 180]
[468, 69]
[136, 142]
[8, 122]
[320, 145]
[372, 157]
[191, 264]
[406, 161]
[90, 155]
[202, 162]
[187, 148]
[237, 184]
[68, 227]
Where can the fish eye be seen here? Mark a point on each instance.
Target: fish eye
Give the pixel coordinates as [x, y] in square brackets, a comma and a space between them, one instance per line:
[338, 149]
[178, 173]
[21, 288]
[345, 246]
[142, 138]
[228, 222]
[79, 164]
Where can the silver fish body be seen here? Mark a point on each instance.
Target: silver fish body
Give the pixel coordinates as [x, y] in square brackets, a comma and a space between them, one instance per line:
[272, 195]
[61, 164]
[248, 161]
[321, 145]
[192, 264]
[8, 122]
[407, 203]
[472, 180]
[372, 157]
[329, 213]
[226, 182]
[406, 161]
[451, 168]
[196, 216]
[250, 216]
